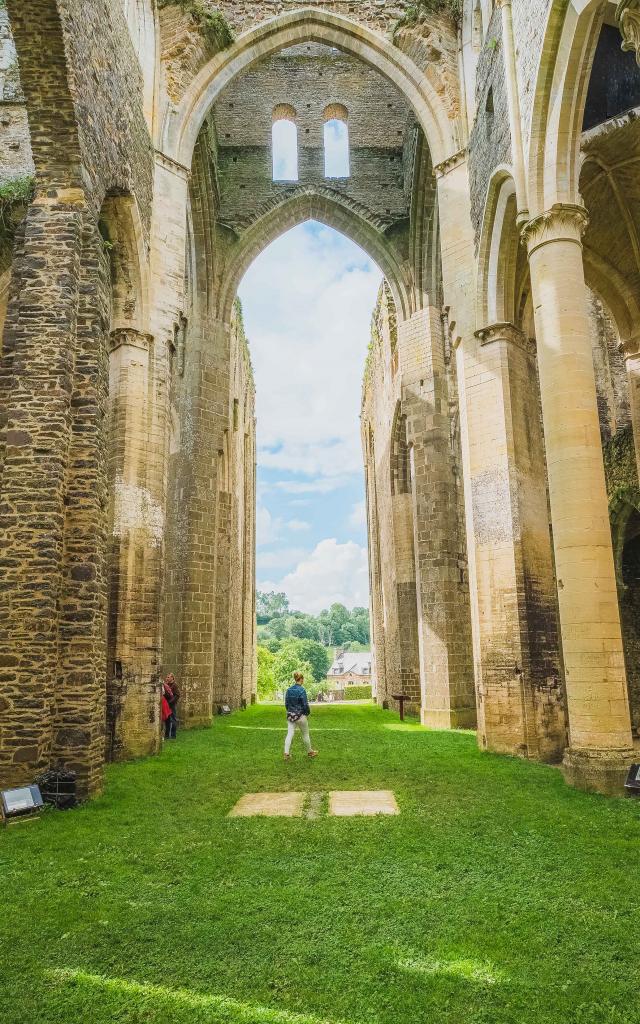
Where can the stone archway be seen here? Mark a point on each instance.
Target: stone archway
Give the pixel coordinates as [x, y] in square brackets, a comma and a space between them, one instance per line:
[328, 208]
[182, 126]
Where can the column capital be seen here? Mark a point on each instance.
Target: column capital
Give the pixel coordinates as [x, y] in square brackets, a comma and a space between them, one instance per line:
[503, 3]
[129, 336]
[563, 221]
[628, 18]
[450, 163]
[506, 331]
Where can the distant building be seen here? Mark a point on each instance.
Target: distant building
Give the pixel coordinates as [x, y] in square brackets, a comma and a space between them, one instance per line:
[350, 668]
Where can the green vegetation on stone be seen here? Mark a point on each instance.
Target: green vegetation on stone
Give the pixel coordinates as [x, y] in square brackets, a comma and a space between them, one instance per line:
[498, 895]
[621, 469]
[212, 23]
[418, 9]
[15, 196]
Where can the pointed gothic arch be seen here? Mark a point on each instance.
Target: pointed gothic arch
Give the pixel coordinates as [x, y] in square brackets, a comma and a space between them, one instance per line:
[331, 210]
[309, 24]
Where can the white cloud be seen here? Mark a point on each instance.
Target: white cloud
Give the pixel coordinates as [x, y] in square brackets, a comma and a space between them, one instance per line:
[308, 301]
[267, 527]
[320, 486]
[358, 517]
[332, 572]
[280, 558]
[298, 525]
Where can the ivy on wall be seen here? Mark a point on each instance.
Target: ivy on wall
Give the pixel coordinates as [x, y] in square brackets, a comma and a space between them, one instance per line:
[212, 23]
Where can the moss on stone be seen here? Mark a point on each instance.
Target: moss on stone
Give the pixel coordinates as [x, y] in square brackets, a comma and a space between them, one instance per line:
[238, 319]
[416, 10]
[15, 196]
[621, 470]
[212, 23]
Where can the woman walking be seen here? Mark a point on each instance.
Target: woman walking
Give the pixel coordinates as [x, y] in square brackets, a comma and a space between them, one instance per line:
[298, 712]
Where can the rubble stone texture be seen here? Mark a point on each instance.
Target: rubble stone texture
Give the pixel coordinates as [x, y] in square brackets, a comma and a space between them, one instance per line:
[501, 397]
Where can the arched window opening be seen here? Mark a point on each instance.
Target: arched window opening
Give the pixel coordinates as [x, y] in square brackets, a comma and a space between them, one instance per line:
[284, 143]
[614, 86]
[336, 142]
[401, 464]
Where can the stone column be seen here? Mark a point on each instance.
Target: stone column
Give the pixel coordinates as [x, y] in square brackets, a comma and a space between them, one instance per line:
[458, 279]
[136, 533]
[448, 697]
[249, 626]
[223, 689]
[206, 507]
[521, 699]
[79, 722]
[406, 598]
[168, 251]
[376, 598]
[599, 723]
[37, 384]
[630, 348]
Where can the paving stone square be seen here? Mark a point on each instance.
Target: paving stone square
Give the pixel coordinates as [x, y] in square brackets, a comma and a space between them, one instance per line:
[346, 804]
[268, 805]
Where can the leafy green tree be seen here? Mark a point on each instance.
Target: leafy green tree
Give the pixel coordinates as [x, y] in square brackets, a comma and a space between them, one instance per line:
[334, 627]
[304, 627]
[316, 655]
[270, 605]
[286, 662]
[266, 680]
[339, 614]
[278, 628]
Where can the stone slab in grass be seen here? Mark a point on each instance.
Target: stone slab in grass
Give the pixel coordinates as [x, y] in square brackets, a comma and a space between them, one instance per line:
[346, 804]
[268, 805]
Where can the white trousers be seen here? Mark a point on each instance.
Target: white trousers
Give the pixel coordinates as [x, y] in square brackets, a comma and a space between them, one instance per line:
[303, 725]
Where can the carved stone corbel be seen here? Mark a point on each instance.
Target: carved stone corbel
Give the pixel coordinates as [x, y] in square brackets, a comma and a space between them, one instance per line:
[129, 336]
[507, 332]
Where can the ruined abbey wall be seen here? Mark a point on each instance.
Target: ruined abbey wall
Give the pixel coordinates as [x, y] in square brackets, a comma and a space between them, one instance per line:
[493, 180]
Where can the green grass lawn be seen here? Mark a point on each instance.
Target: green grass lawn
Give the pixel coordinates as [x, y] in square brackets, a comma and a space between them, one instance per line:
[498, 894]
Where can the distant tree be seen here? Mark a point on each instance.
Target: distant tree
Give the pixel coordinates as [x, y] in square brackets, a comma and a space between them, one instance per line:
[334, 627]
[269, 605]
[360, 618]
[349, 633]
[286, 662]
[339, 614]
[316, 655]
[278, 628]
[304, 627]
[266, 679]
[272, 644]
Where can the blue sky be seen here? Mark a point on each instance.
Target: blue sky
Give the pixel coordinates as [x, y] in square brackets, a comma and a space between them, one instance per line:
[307, 303]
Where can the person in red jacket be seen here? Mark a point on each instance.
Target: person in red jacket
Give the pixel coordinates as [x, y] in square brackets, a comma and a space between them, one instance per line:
[171, 694]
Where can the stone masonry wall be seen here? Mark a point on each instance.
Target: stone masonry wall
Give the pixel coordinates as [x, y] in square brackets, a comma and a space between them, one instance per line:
[490, 138]
[15, 145]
